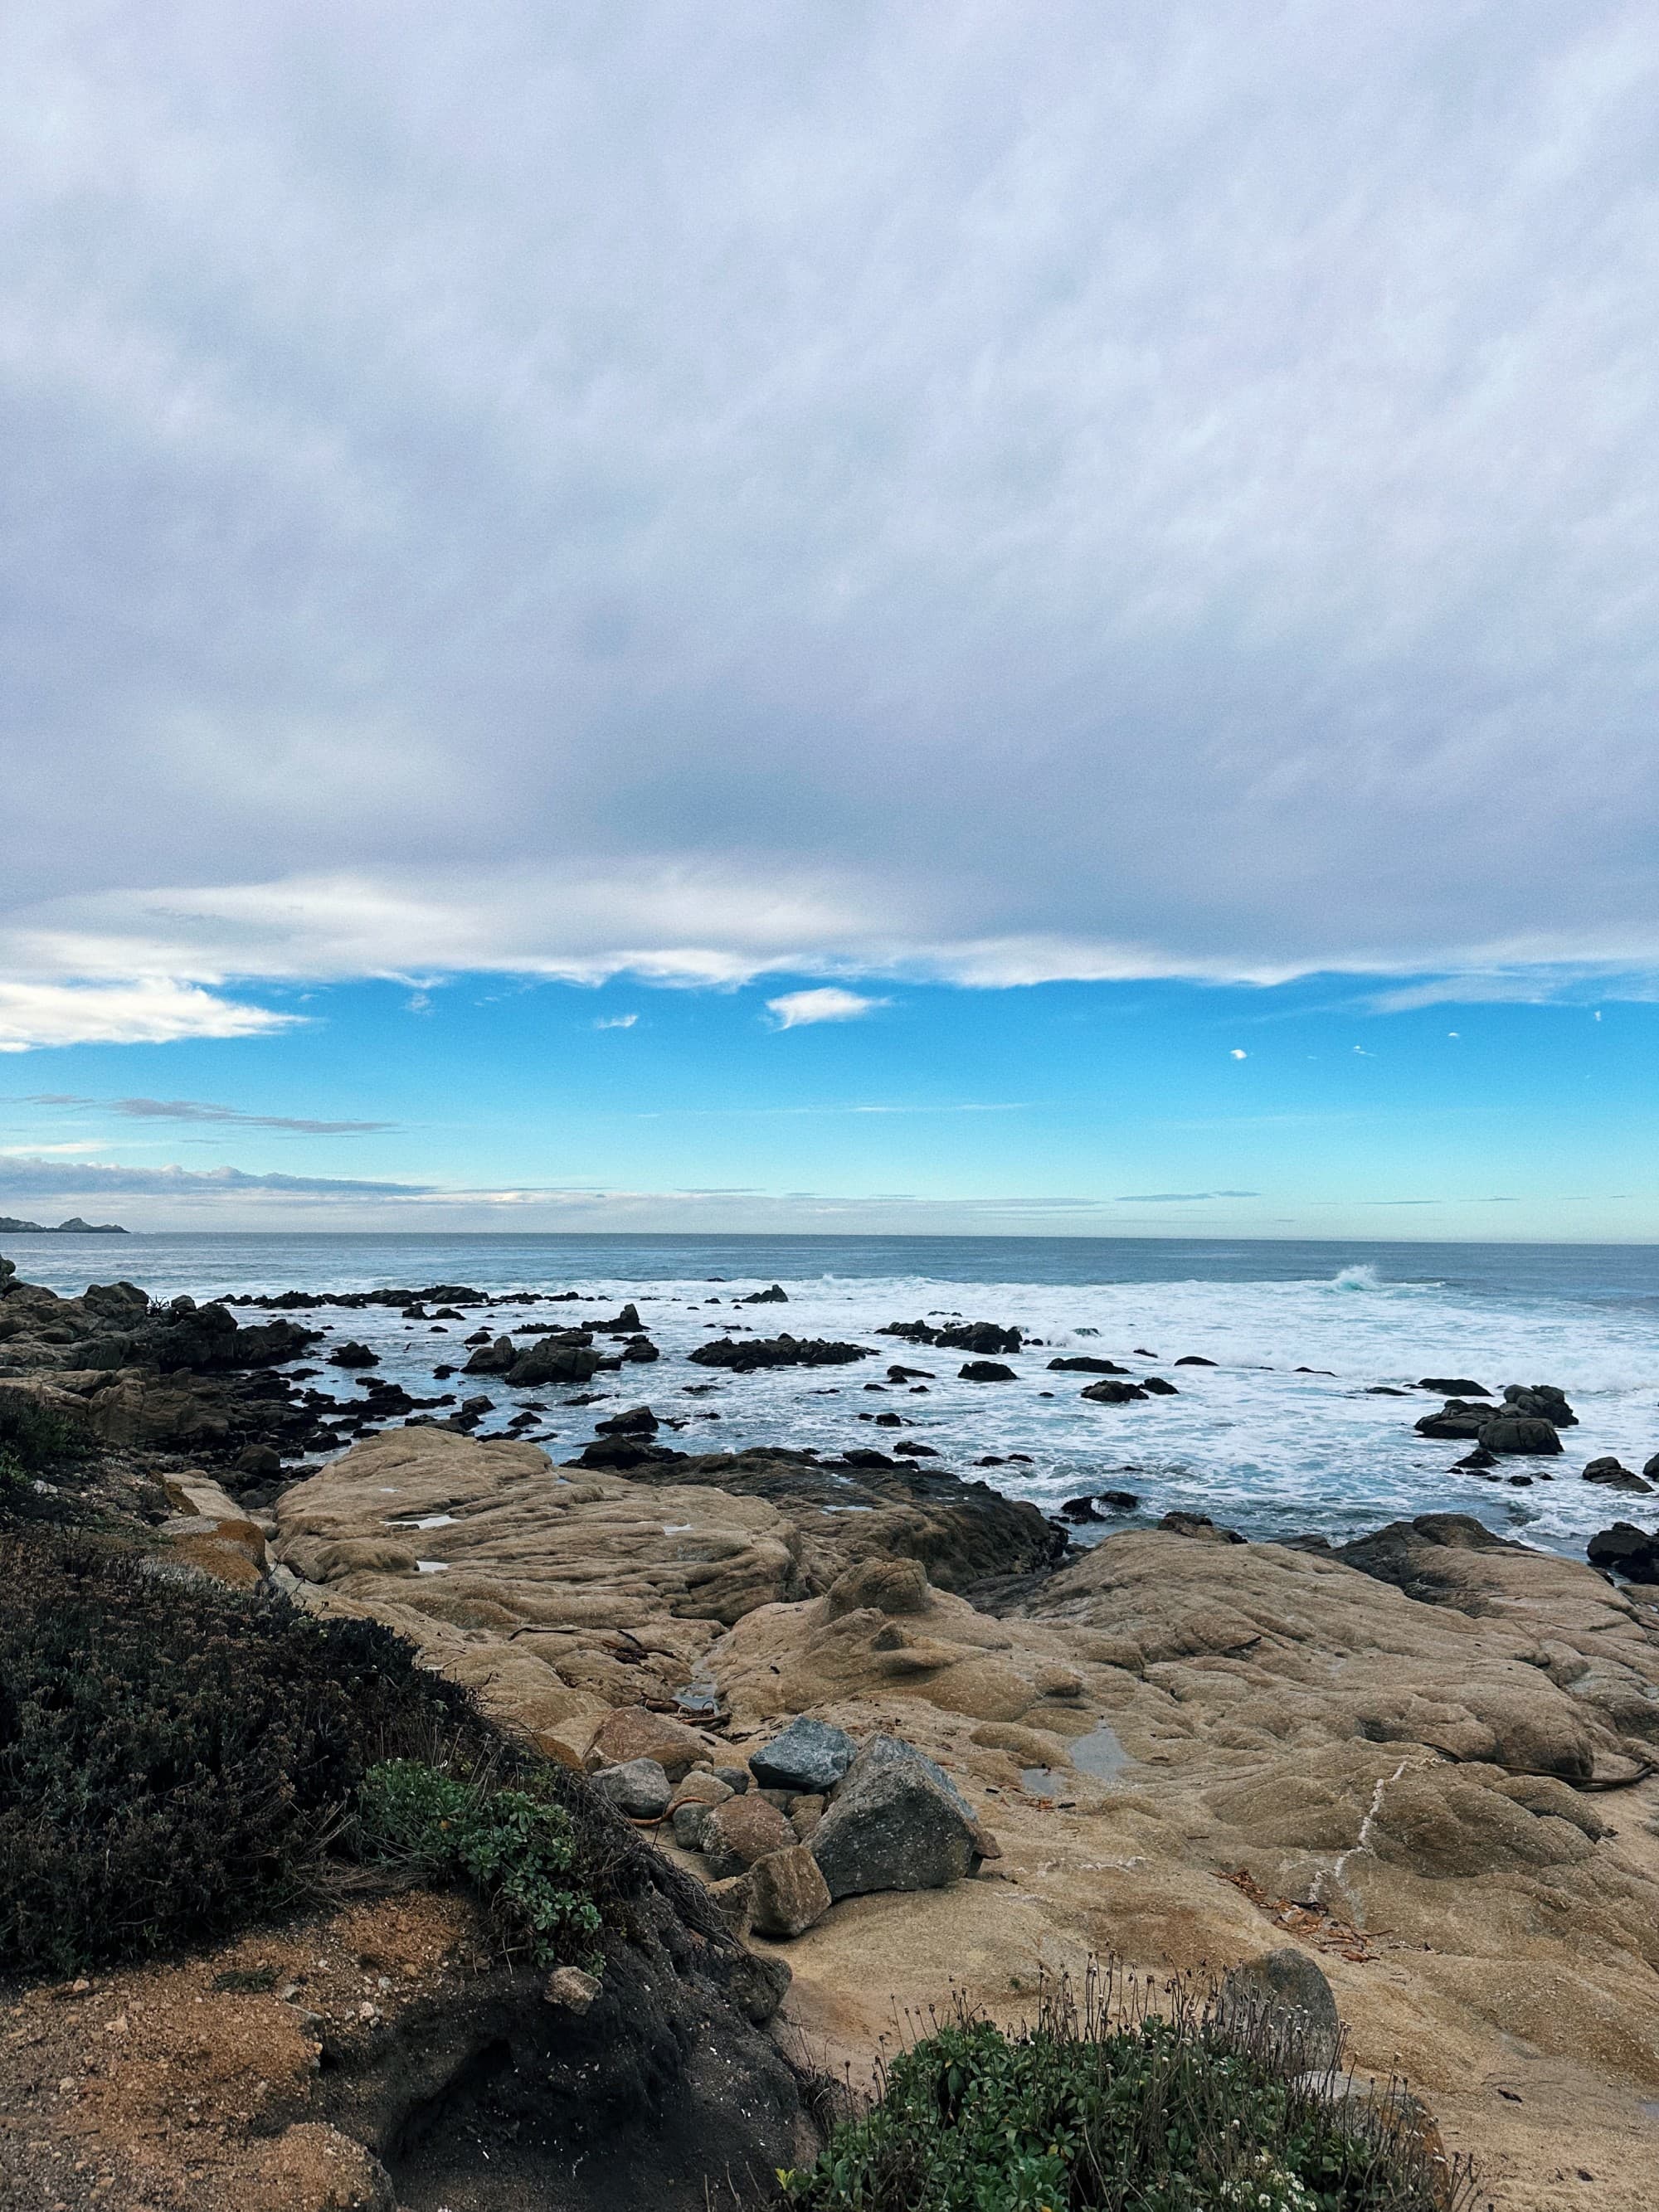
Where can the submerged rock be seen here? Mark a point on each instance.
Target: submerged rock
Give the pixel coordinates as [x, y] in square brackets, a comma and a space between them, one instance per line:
[743, 1358]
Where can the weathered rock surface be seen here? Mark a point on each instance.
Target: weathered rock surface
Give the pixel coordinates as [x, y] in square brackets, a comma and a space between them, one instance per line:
[787, 1893]
[809, 1755]
[892, 1825]
[638, 1787]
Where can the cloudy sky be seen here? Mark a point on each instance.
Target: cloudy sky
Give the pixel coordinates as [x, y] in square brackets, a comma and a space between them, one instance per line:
[822, 614]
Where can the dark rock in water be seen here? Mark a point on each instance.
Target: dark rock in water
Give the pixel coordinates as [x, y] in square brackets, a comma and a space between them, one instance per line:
[1310, 1370]
[1201, 1526]
[777, 1296]
[1287, 1991]
[626, 1323]
[1195, 1359]
[884, 1420]
[352, 1354]
[1157, 1388]
[1522, 1434]
[892, 1825]
[1543, 1400]
[809, 1756]
[909, 1375]
[1478, 1459]
[1456, 1419]
[777, 1351]
[551, 1360]
[911, 1451]
[1383, 1390]
[1614, 1476]
[638, 1421]
[1454, 1386]
[985, 1370]
[1114, 1393]
[640, 1348]
[1627, 1551]
[979, 1336]
[1085, 1364]
[1080, 1510]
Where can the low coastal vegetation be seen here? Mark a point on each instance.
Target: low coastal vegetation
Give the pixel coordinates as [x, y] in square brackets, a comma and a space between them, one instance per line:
[178, 1760]
[1185, 2110]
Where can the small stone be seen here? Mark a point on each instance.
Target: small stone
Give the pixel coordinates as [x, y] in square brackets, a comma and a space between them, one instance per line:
[806, 1813]
[749, 1828]
[736, 1778]
[730, 1899]
[787, 1892]
[638, 1787]
[1289, 1989]
[809, 1756]
[690, 1822]
[569, 1987]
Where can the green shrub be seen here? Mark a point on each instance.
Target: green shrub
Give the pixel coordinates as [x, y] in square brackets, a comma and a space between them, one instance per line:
[514, 1848]
[176, 1758]
[1152, 2115]
[39, 1440]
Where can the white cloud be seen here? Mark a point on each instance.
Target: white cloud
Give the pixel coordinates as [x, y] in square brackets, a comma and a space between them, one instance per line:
[1237, 1053]
[616, 1022]
[155, 1011]
[798, 1010]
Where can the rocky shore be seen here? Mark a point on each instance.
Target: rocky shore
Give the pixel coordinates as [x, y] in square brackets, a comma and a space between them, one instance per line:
[886, 1734]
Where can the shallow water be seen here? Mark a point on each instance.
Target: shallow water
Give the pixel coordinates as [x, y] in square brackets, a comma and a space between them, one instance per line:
[1250, 1441]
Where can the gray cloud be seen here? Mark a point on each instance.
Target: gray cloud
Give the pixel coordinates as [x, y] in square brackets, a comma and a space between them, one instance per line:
[196, 1110]
[1180, 1197]
[1089, 492]
[23, 1178]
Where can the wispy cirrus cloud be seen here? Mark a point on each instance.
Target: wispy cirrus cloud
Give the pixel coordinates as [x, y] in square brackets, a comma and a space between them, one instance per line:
[197, 1109]
[26, 1176]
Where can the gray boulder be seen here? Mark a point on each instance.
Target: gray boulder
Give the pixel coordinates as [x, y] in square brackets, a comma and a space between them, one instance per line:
[896, 1822]
[1541, 1399]
[1289, 1991]
[639, 1787]
[549, 1361]
[810, 1757]
[1456, 1419]
[1109, 1393]
[1627, 1549]
[985, 1370]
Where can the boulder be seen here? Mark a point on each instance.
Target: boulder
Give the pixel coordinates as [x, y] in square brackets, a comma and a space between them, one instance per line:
[777, 1296]
[1456, 1419]
[746, 1829]
[1650, 1467]
[638, 1421]
[1086, 1365]
[625, 1323]
[1114, 1393]
[552, 1360]
[638, 1787]
[787, 1893]
[634, 1733]
[1289, 1991]
[1543, 1401]
[700, 1788]
[1625, 1550]
[985, 1370]
[1195, 1359]
[353, 1354]
[1157, 1388]
[690, 1822]
[892, 1825]
[805, 1813]
[1525, 1434]
[809, 1756]
[1614, 1476]
[1454, 1386]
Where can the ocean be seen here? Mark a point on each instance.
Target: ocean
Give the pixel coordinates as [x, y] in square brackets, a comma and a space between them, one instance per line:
[1280, 1437]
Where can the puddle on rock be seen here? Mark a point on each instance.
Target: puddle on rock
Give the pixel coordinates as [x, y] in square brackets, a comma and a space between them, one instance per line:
[1099, 1754]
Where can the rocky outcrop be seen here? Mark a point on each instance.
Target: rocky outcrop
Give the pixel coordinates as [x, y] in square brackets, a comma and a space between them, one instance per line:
[743, 1356]
[1627, 1549]
[979, 1336]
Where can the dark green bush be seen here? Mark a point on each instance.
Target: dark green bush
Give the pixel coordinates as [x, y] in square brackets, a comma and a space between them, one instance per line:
[37, 1440]
[514, 1847]
[175, 1758]
[1156, 2114]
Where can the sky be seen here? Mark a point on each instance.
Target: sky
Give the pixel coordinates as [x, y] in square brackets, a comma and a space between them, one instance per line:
[956, 617]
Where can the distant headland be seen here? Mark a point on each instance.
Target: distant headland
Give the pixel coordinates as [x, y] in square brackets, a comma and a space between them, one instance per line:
[73, 1227]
